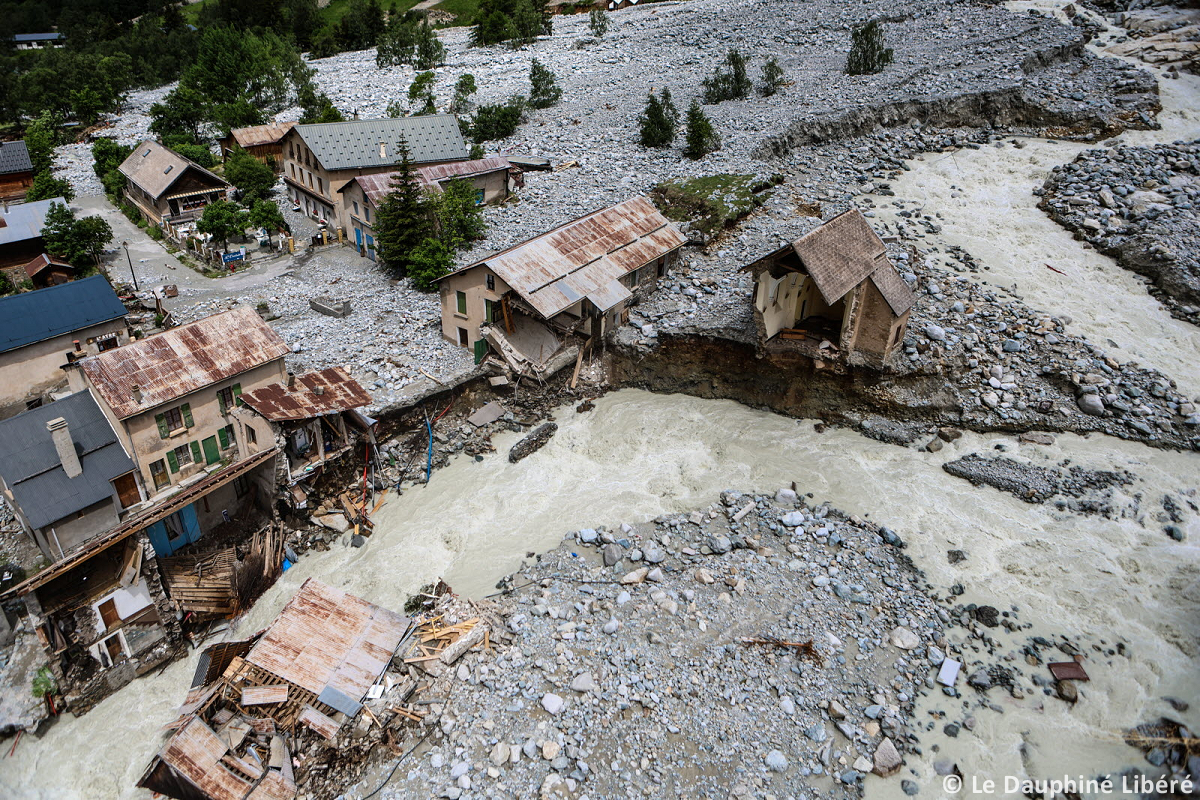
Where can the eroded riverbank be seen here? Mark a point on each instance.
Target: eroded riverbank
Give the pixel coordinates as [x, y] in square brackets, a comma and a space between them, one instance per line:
[639, 455]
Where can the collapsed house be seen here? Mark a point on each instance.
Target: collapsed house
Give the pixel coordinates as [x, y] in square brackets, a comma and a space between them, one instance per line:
[253, 703]
[493, 179]
[577, 279]
[831, 296]
[312, 418]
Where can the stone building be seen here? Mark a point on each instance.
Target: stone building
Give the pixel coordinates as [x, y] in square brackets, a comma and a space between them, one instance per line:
[164, 185]
[44, 330]
[831, 295]
[171, 399]
[576, 279]
[320, 159]
[493, 179]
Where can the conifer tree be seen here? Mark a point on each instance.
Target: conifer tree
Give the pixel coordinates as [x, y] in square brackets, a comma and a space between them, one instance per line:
[544, 90]
[403, 220]
[867, 53]
[701, 137]
[659, 121]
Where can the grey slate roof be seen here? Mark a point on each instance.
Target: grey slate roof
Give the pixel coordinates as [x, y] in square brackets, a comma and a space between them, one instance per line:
[21, 222]
[355, 144]
[30, 465]
[14, 157]
[45, 313]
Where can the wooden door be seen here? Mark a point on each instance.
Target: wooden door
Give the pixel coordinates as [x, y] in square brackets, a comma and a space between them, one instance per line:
[113, 647]
[108, 614]
[127, 490]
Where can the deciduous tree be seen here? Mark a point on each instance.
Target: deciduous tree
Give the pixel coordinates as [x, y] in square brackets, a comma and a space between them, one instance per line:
[254, 178]
[867, 53]
[223, 220]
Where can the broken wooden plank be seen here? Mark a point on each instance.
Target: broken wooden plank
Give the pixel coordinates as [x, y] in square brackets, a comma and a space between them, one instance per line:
[318, 722]
[1068, 671]
[264, 695]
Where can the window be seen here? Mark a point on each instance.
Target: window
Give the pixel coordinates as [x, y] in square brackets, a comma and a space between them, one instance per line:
[461, 297]
[229, 397]
[241, 486]
[367, 210]
[320, 185]
[251, 436]
[174, 419]
[183, 454]
[491, 283]
[107, 342]
[462, 337]
[356, 208]
[158, 471]
[225, 437]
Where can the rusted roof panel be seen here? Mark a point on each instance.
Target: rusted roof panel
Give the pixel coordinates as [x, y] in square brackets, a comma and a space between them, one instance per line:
[338, 392]
[552, 271]
[41, 262]
[195, 752]
[378, 186]
[258, 135]
[841, 254]
[155, 169]
[177, 362]
[327, 638]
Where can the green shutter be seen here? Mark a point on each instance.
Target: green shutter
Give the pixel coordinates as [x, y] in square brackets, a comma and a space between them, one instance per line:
[163, 431]
[195, 452]
[237, 394]
[462, 302]
[172, 461]
[223, 438]
[186, 410]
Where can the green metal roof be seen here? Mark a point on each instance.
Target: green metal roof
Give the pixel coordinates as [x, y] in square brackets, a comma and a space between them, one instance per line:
[376, 142]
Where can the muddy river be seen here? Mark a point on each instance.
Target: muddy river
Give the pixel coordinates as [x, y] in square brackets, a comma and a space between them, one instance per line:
[638, 455]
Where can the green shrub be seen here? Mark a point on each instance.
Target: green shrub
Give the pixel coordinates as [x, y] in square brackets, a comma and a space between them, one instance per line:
[497, 121]
[731, 83]
[867, 53]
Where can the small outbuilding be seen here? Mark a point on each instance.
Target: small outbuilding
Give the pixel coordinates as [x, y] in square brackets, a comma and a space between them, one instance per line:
[264, 142]
[47, 270]
[831, 295]
[16, 170]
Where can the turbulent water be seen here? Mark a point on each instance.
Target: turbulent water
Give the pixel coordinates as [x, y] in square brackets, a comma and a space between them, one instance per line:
[638, 455]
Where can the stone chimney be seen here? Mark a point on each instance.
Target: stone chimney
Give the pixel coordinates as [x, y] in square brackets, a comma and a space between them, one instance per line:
[61, 435]
[137, 394]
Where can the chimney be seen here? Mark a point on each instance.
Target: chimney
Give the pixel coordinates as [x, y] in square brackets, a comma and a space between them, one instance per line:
[61, 435]
[137, 394]
[78, 347]
[318, 390]
[291, 380]
[382, 150]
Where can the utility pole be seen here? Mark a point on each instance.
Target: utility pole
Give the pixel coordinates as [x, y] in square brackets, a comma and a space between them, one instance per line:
[130, 260]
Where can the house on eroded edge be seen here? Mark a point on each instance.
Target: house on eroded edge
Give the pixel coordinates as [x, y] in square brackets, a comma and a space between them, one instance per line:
[831, 296]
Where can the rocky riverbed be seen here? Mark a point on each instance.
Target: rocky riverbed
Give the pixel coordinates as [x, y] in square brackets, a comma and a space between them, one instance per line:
[1141, 205]
[758, 646]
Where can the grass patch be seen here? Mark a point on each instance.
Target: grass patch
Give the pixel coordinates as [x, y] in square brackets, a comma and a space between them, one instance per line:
[463, 10]
[714, 202]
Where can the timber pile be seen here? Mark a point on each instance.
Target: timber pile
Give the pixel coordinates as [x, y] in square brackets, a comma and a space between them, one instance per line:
[446, 643]
[202, 584]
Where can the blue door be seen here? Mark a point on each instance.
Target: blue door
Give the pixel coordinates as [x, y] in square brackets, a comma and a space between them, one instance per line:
[370, 247]
[175, 532]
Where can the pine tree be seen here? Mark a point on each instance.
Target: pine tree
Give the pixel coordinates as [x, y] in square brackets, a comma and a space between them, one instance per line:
[544, 90]
[772, 77]
[430, 50]
[867, 53]
[463, 89]
[598, 22]
[732, 84]
[659, 121]
[403, 220]
[701, 137]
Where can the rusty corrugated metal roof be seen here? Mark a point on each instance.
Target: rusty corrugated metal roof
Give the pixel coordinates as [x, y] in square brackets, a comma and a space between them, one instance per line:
[326, 638]
[340, 392]
[177, 362]
[258, 135]
[41, 262]
[586, 256]
[379, 185]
